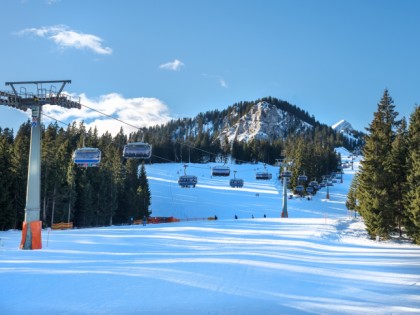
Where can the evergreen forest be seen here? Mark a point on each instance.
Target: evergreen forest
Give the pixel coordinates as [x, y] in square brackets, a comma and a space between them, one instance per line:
[386, 191]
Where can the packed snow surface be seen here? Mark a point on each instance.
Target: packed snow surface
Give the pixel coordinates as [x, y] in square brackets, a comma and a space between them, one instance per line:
[319, 260]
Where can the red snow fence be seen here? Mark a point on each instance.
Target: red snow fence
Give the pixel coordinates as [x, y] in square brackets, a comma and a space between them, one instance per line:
[62, 226]
[156, 220]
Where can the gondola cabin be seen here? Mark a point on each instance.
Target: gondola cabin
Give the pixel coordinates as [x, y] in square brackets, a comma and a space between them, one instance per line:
[137, 150]
[220, 171]
[263, 176]
[310, 189]
[87, 157]
[187, 181]
[236, 183]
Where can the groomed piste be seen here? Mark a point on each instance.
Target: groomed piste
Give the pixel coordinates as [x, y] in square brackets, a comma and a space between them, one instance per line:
[319, 260]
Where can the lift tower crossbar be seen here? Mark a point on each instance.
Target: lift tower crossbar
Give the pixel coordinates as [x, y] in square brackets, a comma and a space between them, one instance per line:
[24, 100]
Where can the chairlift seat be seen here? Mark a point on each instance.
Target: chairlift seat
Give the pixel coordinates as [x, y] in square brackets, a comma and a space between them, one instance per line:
[299, 188]
[302, 178]
[236, 183]
[186, 181]
[137, 150]
[263, 176]
[220, 171]
[286, 174]
[87, 157]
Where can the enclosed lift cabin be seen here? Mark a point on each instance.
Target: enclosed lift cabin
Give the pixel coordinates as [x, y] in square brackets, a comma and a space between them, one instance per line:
[137, 150]
[187, 181]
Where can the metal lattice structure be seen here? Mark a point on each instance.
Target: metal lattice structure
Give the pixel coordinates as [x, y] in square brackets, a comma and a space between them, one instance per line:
[25, 99]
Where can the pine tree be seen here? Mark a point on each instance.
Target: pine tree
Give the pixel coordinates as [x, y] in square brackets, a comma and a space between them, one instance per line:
[143, 191]
[6, 206]
[412, 196]
[20, 157]
[375, 180]
[351, 202]
[398, 170]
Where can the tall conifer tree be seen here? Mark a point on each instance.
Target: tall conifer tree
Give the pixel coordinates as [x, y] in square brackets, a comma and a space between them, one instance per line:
[143, 192]
[6, 206]
[412, 197]
[375, 180]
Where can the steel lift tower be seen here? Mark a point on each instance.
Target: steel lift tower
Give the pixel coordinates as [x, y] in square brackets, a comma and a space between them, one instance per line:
[25, 99]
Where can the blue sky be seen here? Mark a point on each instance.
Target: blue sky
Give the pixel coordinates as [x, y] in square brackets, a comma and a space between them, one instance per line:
[146, 62]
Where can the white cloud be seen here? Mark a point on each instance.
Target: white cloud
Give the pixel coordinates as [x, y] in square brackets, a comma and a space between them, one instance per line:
[64, 37]
[174, 65]
[133, 112]
[221, 81]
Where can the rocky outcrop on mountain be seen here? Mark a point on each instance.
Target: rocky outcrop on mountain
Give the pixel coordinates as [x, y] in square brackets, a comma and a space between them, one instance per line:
[263, 121]
[343, 126]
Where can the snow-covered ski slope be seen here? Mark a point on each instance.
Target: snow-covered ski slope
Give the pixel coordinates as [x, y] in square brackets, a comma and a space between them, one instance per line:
[214, 196]
[317, 261]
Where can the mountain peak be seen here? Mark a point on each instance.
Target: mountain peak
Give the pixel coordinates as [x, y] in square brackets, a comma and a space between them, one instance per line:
[342, 126]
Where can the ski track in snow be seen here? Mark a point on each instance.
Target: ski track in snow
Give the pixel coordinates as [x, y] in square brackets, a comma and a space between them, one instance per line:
[318, 261]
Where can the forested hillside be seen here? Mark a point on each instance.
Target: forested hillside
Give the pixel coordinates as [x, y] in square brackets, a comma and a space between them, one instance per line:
[207, 131]
[117, 192]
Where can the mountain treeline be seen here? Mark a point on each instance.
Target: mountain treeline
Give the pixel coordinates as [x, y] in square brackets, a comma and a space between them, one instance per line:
[386, 191]
[174, 141]
[114, 193]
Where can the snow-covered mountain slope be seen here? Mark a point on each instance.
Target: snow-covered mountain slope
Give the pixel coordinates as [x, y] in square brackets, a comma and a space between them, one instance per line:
[342, 126]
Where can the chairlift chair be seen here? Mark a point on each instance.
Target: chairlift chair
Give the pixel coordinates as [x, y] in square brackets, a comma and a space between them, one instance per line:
[137, 150]
[310, 189]
[314, 184]
[236, 182]
[302, 178]
[87, 157]
[286, 174]
[265, 175]
[187, 181]
[299, 188]
[220, 171]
